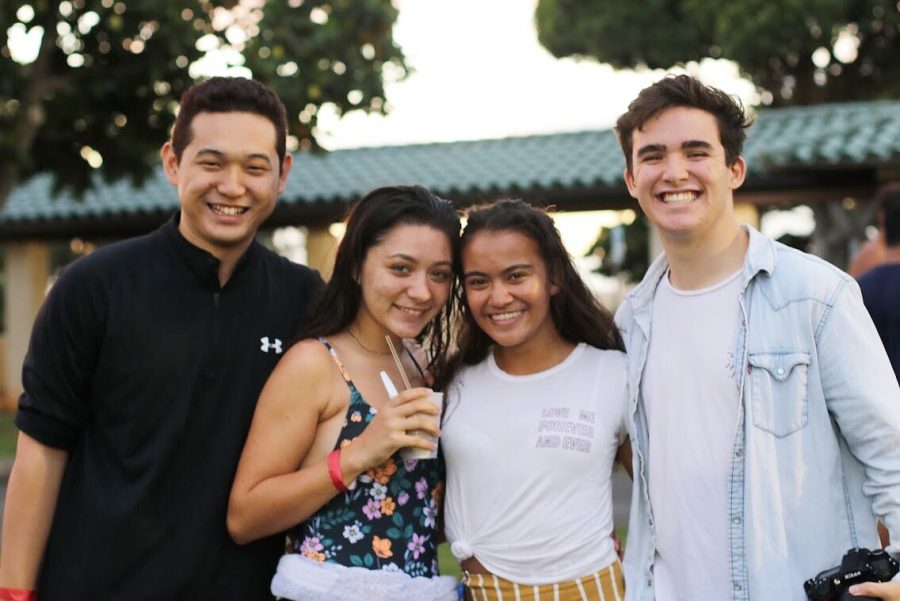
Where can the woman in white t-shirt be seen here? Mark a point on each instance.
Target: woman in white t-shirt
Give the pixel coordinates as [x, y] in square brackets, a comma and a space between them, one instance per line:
[534, 419]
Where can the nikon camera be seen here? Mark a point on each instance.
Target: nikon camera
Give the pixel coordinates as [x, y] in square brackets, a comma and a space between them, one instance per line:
[858, 565]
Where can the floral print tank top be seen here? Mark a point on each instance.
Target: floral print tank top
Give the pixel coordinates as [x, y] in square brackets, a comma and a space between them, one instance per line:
[388, 520]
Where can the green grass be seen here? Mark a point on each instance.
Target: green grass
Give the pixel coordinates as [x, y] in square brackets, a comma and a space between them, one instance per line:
[446, 562]
[8, 435]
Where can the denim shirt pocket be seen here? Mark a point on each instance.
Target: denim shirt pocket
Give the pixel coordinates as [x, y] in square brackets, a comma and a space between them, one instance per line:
[779, 391]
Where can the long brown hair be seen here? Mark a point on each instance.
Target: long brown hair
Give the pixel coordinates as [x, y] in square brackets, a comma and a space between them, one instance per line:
[368, 223]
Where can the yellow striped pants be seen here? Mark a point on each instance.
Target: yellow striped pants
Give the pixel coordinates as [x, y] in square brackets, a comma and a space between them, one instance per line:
[604, 585]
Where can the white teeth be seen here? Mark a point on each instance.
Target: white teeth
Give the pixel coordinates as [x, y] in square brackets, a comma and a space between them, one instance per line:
[226, 210]
[505, 316]
[410, 311]
[678, 197]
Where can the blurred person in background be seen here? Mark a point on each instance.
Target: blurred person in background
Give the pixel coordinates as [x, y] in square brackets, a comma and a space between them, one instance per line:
[880, 285]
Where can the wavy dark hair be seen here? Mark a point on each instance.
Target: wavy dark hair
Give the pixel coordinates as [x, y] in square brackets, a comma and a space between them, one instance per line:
[688, 92]
[367, 224]
[576, 313]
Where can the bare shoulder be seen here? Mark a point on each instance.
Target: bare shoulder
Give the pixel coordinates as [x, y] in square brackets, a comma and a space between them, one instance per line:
[306, 371]
[306, 358]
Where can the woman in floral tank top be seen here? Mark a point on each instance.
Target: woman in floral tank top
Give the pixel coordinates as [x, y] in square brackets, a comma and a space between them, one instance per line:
[388, 521]
[322, 460]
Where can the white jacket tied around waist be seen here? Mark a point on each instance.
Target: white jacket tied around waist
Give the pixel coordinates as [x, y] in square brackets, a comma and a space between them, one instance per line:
[302, 579]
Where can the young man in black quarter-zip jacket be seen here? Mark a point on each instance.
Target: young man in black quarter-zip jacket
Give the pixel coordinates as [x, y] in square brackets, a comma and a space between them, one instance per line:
[144, 367]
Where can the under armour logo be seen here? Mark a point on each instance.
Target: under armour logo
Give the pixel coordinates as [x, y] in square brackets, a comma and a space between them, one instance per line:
[266, 345]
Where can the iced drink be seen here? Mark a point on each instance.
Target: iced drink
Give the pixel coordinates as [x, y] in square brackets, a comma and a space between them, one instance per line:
[416, 453]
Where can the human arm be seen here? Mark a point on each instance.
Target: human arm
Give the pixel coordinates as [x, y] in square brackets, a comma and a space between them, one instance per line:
[56, 378]
[282, 477]
[28, 513]
[624, 457]
[869, 255]
[863, 397]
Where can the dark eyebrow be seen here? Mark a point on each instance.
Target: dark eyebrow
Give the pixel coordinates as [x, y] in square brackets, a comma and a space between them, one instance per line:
[649, 148]
[686, 145]
[406, 257]
[221, 155]
[508, 270]
[210, 151]
[695, 144]
[517, 267]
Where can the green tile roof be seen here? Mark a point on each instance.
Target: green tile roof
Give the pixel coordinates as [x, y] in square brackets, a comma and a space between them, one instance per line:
[830, 136]
[849, 135]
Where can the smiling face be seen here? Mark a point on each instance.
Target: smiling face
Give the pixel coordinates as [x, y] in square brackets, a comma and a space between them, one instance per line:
[680, 178]
[508, 290]
[405, 280]
[228, 179]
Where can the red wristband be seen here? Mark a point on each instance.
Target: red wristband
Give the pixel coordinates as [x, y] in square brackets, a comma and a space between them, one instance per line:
[17, 594]
[334, 470]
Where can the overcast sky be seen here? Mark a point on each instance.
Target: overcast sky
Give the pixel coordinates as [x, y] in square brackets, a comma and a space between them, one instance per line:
[479, 72]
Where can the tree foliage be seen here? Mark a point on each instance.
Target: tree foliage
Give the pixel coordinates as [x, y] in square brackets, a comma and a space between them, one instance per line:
[101, 92]
[795, 51]
[624, 250]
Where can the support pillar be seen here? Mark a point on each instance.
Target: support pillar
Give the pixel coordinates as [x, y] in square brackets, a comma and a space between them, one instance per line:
[27, 270]
[321, 247]
[840, 228]
[746, 214]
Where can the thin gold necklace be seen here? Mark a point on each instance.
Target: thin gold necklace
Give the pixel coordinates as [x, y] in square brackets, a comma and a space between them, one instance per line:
[364, 347]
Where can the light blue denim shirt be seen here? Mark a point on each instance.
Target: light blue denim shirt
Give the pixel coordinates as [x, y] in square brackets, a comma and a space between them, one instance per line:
[816, 453]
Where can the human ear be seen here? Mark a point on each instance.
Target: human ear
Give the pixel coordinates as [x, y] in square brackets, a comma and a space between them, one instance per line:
[738, 173]
[286, 165]
[169, 162]
[629, 183]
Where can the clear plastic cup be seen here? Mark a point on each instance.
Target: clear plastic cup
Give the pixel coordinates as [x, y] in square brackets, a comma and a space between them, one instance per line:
[410, 453]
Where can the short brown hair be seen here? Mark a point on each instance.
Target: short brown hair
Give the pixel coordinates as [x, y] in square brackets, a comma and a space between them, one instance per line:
[686, 91]
[226, 95]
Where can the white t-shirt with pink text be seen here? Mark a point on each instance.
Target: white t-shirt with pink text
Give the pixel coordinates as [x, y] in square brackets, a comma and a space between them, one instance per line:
[529, 460]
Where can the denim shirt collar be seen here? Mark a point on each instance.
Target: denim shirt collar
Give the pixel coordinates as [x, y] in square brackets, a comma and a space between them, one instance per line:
[760, 257]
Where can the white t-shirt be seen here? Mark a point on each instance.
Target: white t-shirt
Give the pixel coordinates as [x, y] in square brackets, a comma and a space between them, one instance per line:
[690, 394]
[529, 460]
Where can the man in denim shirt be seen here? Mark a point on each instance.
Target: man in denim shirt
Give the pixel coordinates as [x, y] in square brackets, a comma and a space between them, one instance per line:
[765, 416]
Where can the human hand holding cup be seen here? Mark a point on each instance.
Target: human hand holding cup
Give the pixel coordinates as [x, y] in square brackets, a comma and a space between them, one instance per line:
[410, 453]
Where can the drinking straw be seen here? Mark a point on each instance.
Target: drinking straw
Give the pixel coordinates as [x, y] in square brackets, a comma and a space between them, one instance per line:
[388, 383]
[397, 361]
